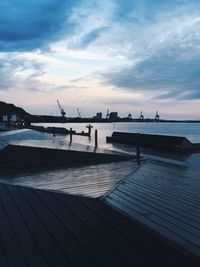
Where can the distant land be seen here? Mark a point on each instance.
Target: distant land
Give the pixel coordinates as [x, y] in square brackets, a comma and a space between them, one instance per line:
[9, 109]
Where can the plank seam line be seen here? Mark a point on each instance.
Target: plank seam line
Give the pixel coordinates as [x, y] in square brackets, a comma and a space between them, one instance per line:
[35, 241]
[113, 226]
[162, 236]
[172, 195]
[44, 225]
[122, 180]
[156, 199]
[137, 199]
[4, 250]
[64, 224]
[93, 231]
[13, 229]
[154, 222]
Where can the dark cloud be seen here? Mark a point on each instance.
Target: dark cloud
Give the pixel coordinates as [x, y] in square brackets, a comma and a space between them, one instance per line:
[162, 77]
[27, 25]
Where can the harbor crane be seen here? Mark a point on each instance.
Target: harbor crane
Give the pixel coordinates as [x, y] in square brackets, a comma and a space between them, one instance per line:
[63, 113]
[157, 117]
[79, 114]
[107, 114]
[141, 116]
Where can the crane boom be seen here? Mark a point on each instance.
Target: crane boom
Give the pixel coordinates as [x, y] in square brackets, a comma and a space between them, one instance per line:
[78, 113]
[63, 113]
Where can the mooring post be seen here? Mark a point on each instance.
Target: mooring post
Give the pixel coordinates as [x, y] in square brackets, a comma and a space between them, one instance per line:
[96, 138]
[89, 129]
[70, 133]
[138, 149]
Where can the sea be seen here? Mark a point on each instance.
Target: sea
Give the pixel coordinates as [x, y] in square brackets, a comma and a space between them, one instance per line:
[188, 130]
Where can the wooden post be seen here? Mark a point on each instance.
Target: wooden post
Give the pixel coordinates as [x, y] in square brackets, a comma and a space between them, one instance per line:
[138, 149]
[70, 133]
[89, 129]
[96, 138]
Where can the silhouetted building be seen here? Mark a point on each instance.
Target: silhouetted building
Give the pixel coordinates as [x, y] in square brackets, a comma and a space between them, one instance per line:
[113, 116]
[129, 116]
[99, 115]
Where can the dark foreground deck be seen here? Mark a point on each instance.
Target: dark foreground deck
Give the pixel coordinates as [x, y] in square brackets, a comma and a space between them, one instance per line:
[41, 228]
[164, 197]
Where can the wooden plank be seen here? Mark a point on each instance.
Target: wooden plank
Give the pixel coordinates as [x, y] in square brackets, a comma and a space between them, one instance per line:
[149, 196]
[46, 245]
[171, 194]
[92, 181]
[63, 237]
[136, 213]
[14, 232]
[167, 201]
[114, 239]
[173, 197]
[173, 183]
[150, 241]
[3, 258]
[178, 190]
[163, 218]
[90, 241]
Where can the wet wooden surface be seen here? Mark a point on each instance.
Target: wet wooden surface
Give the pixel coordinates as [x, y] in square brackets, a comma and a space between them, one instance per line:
[164, 197]
[90, 180]
[41, 228]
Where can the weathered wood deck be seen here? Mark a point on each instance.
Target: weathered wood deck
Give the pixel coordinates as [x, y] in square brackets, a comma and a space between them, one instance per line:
[164, 197]
[41, 228]
[90, 180]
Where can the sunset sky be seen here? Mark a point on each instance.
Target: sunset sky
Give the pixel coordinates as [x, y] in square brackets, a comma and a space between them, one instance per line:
[121, 55]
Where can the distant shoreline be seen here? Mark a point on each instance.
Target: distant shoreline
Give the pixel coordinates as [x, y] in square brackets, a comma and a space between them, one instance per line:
[54, 119]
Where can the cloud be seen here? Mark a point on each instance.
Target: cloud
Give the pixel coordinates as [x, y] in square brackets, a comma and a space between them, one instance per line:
[18, 72]
[163, 50]
[27, 25]
[156, 44]
[90, 37]
[161, 77]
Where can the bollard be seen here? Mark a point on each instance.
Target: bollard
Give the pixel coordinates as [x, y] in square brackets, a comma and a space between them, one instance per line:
[96, 138]
[138, 149]
[70, 133]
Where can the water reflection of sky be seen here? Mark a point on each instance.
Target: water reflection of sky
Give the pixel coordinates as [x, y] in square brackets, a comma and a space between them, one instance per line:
[189, 130]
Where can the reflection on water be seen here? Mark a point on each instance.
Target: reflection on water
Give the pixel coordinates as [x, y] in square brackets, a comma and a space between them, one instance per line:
[189, 130]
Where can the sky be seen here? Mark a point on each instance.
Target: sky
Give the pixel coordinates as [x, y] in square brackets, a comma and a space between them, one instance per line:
[121, 55]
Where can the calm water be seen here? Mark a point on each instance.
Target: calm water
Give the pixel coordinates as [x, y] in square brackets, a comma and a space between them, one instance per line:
[189, 130]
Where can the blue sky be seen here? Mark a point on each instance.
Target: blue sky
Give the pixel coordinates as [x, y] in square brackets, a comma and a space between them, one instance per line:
[124, 55]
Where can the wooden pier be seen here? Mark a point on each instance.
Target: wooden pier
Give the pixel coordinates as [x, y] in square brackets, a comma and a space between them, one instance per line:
[111, 214]
[166, 198]
[41, 228]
